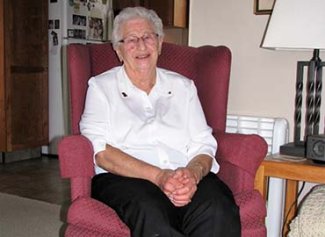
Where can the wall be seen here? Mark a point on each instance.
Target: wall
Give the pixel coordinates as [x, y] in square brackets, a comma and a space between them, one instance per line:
[262, 80]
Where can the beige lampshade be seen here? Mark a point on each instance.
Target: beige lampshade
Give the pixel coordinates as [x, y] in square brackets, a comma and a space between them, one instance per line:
[296, 24]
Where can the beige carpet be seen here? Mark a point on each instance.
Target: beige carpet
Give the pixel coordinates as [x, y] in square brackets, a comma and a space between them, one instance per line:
[23, 217]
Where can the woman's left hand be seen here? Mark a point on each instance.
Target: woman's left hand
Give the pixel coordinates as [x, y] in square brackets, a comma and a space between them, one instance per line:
[183, 195]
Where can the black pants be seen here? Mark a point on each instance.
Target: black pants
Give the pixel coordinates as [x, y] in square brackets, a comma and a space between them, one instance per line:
[149, 213]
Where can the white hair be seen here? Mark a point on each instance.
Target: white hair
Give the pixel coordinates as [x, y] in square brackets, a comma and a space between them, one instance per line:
[132, 13]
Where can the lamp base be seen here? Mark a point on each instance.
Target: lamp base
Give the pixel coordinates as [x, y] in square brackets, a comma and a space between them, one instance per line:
[292, 149]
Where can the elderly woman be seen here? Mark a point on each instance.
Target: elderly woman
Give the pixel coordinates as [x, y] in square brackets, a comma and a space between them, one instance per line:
[153, 150]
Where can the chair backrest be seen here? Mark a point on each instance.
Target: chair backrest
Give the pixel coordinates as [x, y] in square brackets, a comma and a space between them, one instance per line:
[208, 66]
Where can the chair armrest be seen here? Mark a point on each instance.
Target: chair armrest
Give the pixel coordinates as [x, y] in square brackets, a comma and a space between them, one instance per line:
[76, 157]
[239, 157]
[242, 150]
[96, 216]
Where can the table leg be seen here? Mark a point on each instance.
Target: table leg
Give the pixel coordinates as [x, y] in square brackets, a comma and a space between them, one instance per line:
[260, 181]
[290, 203]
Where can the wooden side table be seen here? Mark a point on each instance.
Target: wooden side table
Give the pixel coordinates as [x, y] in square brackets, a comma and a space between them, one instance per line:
[293, 170]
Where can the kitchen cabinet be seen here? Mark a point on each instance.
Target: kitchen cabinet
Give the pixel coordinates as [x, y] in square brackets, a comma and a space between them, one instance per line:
[174, 13]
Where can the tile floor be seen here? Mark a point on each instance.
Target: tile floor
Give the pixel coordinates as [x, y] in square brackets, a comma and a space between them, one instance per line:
[37, 178]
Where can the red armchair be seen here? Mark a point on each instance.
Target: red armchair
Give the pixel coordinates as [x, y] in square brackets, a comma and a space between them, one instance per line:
[238, 155]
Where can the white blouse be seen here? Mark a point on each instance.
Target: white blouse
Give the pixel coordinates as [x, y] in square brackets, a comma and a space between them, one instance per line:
[166, 128]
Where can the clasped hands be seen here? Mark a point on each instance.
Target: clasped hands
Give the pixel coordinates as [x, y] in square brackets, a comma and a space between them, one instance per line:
[179, 185]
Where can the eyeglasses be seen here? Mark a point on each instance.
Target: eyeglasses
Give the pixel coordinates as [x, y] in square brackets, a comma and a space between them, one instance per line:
[133, 40]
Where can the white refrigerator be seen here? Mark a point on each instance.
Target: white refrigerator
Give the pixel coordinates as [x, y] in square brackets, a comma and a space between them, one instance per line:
[70, 21]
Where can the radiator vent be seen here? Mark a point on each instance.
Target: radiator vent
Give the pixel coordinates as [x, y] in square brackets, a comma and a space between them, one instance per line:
[273, 130]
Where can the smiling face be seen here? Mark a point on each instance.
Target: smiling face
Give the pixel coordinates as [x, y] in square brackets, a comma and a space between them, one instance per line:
[140, 47]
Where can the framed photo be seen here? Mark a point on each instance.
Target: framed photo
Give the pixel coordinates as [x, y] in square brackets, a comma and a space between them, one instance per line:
[263, 7]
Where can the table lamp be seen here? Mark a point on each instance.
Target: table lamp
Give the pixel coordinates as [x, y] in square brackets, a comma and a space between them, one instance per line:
[300, 25]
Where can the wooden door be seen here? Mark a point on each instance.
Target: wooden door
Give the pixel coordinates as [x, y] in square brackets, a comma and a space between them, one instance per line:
[2, 81]
[26, 74]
